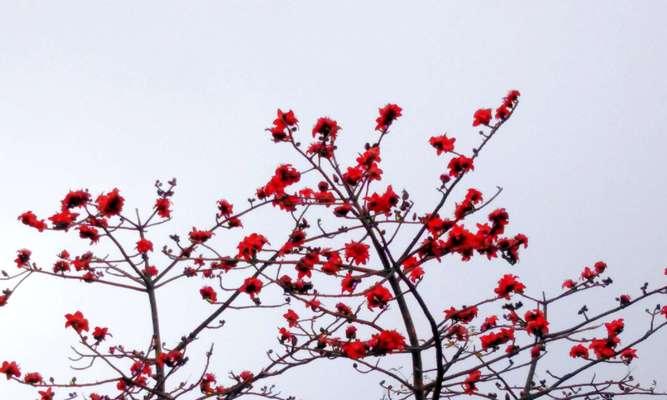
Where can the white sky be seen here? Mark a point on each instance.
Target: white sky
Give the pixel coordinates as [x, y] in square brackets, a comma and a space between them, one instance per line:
[104, 94]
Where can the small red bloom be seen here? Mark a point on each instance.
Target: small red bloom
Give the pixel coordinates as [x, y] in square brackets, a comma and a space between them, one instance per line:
[208, 294]
[75, 198]
[442, 143]
[387, 341]
[30, 219]
[508, 284]
[225, 208]
[377, 296]
[627, 355]
[162, 207]
[326, 128]
[48, 395]
[144, 246]
[568, 284]
[23, 258]
[470, 383]
[481, 117]
[199, 236]
[355, 349]
[579, 350]
[63, 220]
[251, 286]
[291, 317]
[76, 321]
[100, 333]
[10, 369]
[388, 114]
[357, 251]
[89, 232]
[459, 166]
[251, 245]
[464, 315]
[110, 204]
[383, 203]
[33, 378]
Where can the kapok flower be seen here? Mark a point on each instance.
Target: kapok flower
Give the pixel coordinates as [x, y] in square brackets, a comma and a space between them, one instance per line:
[144, 246]
[251, 286]
[76, 321]
[208, 294]
[357, 251]
[509, 284]
[110, 204]
[377, 296]
[10, 369]
[388, 114]
[442, 143]
[481, 117]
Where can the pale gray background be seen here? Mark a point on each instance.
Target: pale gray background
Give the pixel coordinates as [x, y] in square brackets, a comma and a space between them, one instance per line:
[104, 94]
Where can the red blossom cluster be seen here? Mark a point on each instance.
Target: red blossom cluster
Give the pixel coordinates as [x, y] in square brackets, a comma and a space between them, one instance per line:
[345, 275]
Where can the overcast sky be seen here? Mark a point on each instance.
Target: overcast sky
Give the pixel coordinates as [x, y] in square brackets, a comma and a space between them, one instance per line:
[118, 94]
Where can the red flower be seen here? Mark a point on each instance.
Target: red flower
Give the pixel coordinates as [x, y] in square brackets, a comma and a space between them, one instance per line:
[604, 348]
[76, 198]
[246, 376]
[33, 378]
[30, 219]
[489, 322]
[469, 384]
[355, 349]
[624, 299]
[509, 284]
[76, 321]
[171, 358]
[442, 144]
[614, 327]
[110, 204]
[100, 333]
[388, 114]
[162, 207]
[353, 176]
[251, 245]
[579, 350]
[568, 284]
[663, 311]
[495, 339]
[382, 204]
[386, 341]
[63, 220]
[356, 251]
[536, 323]
[286, 335]
[349, 283]
[198, 236]
[225, 208]
[10, 369]
[23, 258]
[144, 246]
[377, 296]
[464, 315]
[291, 317]
[3, 300]
[627, 355]
[208, 294]
[251, 286]
[48, 395]
[459, 166]
[351, 332]
[481, 117]
[287, 118]
[89, 232]
[326, 128]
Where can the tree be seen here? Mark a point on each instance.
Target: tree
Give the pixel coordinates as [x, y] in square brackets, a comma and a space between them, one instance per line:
[355, 257]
